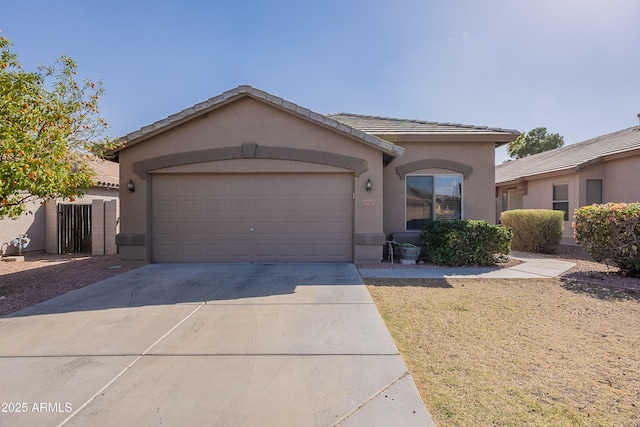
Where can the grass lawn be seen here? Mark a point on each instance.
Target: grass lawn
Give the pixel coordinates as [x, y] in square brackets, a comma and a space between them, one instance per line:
[517, 352]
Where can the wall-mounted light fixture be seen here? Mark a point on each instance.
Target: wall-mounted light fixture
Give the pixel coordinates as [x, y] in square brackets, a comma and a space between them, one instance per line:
[368, 185]
[131, 186]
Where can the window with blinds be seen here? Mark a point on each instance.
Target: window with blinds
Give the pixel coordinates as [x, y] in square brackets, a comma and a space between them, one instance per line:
[432, 197]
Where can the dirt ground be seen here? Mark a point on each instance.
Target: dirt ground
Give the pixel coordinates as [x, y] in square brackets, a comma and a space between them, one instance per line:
[44, 276]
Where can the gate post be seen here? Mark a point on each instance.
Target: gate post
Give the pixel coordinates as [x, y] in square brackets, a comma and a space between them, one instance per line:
[51, 228]
[110, 227]
[97, 227]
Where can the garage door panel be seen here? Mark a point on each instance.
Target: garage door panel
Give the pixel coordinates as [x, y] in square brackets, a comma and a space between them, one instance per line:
[243, 217]
[239, 206]
[287, 205]
[190, 185]
[338, 227]
[191, 229]
[190, 250]
[237, 228]
[239, 252]
[264, 205]
[214, 250]
[167, 250]
[338, 205]
[166, 206]
[214, 206]
[166, 228]
[190, 206]
[214, 228]
[311, 205]
[285, 229]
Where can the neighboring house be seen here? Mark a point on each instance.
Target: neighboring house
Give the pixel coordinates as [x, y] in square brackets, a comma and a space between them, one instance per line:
[600, 170]
[247, 176]
[88, 224]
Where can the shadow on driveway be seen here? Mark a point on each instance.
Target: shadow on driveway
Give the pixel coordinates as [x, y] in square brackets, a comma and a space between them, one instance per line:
[166, 284]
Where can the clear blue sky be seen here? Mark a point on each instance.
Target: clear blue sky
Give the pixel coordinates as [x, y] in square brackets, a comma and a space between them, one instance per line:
[572, 66]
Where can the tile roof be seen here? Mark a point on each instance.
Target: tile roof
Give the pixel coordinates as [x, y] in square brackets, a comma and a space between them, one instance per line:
[107, 174]
[241, 91]
[575, 156]
[389, 126]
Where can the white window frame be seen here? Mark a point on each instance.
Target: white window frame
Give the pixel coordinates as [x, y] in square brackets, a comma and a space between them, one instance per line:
[433, 207]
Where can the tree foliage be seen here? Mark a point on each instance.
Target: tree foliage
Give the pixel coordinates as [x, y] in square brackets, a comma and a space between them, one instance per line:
[534, 142]
[49, 126]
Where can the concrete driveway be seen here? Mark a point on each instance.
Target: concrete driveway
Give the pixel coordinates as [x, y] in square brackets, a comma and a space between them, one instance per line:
[208, 344]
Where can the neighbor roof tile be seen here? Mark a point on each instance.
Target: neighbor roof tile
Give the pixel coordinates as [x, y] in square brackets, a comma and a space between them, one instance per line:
[573, 156]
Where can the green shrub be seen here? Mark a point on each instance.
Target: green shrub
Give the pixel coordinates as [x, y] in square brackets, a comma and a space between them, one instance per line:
[611, 234]
[465, 242]
[534, 230]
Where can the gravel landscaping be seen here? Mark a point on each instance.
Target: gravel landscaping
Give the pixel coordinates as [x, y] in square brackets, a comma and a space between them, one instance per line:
[44, 276]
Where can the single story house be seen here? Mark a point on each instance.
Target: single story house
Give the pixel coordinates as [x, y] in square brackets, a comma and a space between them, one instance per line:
[599, 170]
[246, 176]
[88, 224]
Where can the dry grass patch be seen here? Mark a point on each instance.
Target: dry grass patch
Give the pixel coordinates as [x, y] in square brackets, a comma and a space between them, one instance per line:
[517, 352]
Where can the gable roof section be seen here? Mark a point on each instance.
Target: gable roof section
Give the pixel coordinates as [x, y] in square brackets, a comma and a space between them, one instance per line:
[416, 130]
[572, 157]
[248, 91]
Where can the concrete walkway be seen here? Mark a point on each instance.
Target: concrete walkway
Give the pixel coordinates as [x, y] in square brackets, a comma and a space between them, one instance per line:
[532, 267]
[208, 344]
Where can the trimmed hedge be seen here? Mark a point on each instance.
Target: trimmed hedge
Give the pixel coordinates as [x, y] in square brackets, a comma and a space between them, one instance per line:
[465, 242]
[611, 234]
[534, 230]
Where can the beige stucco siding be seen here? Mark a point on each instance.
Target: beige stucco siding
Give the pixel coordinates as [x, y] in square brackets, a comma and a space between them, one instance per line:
[622, 180]
[41, 224]
[620, 184]
[32, 224]
[594, 172]
[478, 188]
[247, 123]
[540, 196]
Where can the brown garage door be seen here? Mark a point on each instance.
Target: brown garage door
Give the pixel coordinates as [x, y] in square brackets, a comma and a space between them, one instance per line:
[252, 217]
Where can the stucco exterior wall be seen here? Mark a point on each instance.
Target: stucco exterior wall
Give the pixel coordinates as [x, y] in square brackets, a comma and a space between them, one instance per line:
[31, 223]
[41, 224]
[478, 188]
[594, 172]
[540, 196]
[620, 182]
[243, 122]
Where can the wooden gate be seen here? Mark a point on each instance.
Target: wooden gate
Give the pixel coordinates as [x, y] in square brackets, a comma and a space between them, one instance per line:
[74, 228]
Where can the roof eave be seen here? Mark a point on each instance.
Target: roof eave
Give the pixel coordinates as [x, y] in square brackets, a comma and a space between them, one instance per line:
[546, 174]
[572, 168]
[497, 139]
[225, 98]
